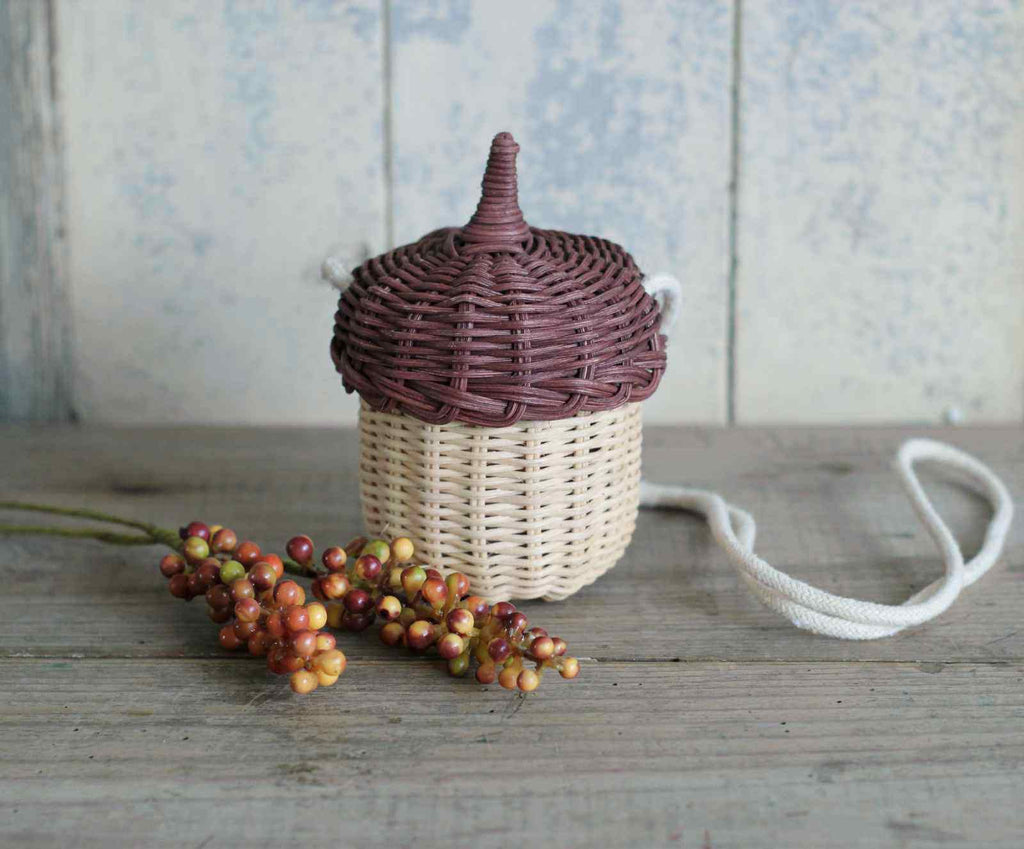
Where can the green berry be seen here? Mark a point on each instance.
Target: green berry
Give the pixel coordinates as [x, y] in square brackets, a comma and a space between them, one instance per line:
[457, 666]
[231, 571]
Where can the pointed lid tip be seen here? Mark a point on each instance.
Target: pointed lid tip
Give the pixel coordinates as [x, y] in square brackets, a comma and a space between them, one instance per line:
[498, 220]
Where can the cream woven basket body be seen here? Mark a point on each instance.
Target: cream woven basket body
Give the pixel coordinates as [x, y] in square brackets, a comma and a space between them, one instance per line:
[536, 509]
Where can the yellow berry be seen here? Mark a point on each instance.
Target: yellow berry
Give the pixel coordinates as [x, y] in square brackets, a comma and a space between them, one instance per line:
[508, 678]
[325, 680]
[528, 680]
[402, 549]
[317, 615]
[304, 681]
[331, 662]
[334, 614]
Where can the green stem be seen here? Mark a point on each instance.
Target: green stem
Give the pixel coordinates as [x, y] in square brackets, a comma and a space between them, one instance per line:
[78, 512]
[154, 534]
[81, 533]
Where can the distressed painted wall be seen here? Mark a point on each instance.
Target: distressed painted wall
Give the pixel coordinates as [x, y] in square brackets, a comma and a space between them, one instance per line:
[866, 265]
[881, 211]
[215, 153]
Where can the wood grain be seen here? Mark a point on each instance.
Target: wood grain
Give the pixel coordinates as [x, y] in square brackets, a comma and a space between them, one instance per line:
[35, 316]
[178, 752]
[623, 119]
[880, 212]
[700, 719]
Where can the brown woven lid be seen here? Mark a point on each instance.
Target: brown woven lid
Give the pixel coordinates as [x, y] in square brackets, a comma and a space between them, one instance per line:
[497, 321]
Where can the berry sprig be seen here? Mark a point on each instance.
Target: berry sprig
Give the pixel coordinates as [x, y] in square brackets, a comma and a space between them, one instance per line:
[259, 610]
[420, 608]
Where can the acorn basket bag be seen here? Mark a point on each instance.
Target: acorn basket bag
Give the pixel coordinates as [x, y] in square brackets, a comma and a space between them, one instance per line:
[500, 369]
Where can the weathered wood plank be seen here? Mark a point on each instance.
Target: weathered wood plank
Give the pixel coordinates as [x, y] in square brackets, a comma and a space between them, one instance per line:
[623, 119]
[828, 506]
[35, 316]
[168, 753]
[216, 154]
[880, 214]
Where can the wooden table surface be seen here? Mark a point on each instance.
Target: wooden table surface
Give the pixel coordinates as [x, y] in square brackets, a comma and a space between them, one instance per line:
[700, 718]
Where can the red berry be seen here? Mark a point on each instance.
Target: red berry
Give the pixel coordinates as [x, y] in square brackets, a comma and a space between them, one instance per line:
[228, 638]
[304, 643]
[542, 648]
[195, 585]
[244, 630]
[334, 559]
[172, 564]
[291, 661]
[535, 632]
[499, 649]
[433, 573]
[560, 646]
[275, 562]
[258, 644]
[263, 576]
[434, 591]
[195, 529]
[368, 567]
[247, 610]
[356, 622]
[486, 673]
[219, 597]
[516, 623]
[478, 607]
[248, 554]
[295, 618]
[209, 573]
[420, 635]
[242, 588]
[300, 549]
[450, 646]
[503, 609]
[357, 601]
[275, 625]
[288, 593]
[224, 540]
[335, 585]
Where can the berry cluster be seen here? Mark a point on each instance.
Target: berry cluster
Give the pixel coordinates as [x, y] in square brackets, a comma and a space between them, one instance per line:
[420, 608]
[254, 607]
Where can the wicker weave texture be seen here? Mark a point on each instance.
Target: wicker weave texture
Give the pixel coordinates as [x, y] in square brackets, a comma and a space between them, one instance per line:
[532, 510]
[497, 322]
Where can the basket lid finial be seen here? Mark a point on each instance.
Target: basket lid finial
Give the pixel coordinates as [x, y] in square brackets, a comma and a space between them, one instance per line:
[498, 220]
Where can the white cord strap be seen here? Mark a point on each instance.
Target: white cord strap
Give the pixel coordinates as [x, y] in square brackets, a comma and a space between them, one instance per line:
[849, 618]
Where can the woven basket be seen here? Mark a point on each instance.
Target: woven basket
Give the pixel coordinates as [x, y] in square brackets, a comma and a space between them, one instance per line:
[532, 509]
[500, 368]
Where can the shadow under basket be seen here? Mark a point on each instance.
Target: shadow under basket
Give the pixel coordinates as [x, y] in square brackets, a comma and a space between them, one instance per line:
[534, 510]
